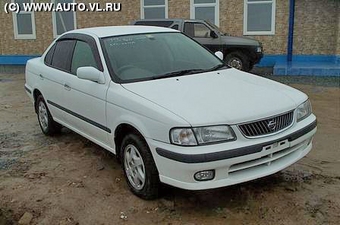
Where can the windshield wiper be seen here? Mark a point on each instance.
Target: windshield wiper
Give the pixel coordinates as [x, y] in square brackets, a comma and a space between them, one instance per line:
[219, 66]
[177, 73]
[185, 72]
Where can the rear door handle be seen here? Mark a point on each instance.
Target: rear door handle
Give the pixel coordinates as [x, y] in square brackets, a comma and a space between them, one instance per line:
[67, 87]
[41, 76]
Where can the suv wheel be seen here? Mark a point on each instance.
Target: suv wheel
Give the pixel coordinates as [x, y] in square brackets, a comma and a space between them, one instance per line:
[139, 168]
[47, 124]
[238, 60]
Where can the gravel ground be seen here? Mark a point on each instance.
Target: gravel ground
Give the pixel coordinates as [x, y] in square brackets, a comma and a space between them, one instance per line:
[67, 179]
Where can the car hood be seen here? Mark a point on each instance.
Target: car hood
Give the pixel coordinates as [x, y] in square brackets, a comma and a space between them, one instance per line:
[231, 40]
[220, 97]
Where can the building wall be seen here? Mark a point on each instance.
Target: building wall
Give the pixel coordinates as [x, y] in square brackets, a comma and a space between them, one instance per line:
[2, 26]
[44, 28]
[130, 10]
[179, 9]
[338, 37]
[44, 34]
[231, 21]
[316, 27]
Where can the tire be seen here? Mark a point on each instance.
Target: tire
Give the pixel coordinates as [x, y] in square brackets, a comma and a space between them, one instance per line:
[47, 124]
[139, 167]
[251, 66]
[238, 60]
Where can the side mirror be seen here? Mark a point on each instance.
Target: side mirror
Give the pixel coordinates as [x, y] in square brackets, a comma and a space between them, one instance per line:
[213, 34]
[90, 73]
[219, 54]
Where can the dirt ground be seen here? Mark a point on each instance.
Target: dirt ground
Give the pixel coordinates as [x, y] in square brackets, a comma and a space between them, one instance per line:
[69, 180]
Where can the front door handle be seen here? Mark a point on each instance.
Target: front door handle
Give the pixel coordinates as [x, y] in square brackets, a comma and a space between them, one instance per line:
[67, 87]
[41, 76]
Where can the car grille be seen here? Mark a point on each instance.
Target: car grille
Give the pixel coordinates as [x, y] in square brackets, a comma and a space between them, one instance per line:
[267, 126]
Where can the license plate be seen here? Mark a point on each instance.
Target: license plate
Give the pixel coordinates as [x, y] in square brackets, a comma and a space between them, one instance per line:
[277, 146]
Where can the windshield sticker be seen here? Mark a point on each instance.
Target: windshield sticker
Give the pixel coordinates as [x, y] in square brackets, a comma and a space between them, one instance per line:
[118, 41]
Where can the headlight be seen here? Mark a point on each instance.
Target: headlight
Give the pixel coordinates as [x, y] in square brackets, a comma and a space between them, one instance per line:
[183, 136]
[303, 110]
[201, 135]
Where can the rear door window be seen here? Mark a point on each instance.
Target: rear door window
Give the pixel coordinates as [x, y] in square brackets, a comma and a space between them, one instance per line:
[189, 29]
[63, 54]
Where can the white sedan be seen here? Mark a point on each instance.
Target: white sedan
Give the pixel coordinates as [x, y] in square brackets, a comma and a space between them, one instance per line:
[170, 110]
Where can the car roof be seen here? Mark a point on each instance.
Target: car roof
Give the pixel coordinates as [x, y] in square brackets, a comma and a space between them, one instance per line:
[120, 30]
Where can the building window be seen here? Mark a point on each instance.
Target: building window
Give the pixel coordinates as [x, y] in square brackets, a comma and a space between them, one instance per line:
[259, 17]
[154, 9]
[63, 21]
[24, 22]
[205, 10]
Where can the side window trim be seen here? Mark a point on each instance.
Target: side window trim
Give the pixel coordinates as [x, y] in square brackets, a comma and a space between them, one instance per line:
[77, 37]
[91, 42]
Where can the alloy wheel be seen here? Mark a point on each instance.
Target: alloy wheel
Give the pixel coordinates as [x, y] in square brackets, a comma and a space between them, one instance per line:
[134, 167]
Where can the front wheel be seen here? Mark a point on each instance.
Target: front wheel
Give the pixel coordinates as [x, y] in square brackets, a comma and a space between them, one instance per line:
[238, 60]
[139, 167]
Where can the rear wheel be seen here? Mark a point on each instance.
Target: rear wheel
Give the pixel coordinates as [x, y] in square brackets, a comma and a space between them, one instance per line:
[139, 167]
[47, 124]
[238, 60]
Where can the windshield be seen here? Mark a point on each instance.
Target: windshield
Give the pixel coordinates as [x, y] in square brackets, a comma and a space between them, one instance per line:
[156, 56]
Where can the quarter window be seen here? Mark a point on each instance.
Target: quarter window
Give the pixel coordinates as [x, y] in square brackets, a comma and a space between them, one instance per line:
[259, 17]
[24, 22]
[175, 27]
[205, 10]
[63, 21]
[82, 56]
[154, 9]
[49, 55]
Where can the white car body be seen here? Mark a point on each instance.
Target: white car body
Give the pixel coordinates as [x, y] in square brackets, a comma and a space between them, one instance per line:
[229, 96]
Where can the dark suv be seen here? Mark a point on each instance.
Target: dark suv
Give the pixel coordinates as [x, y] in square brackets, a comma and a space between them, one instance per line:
[239, 52]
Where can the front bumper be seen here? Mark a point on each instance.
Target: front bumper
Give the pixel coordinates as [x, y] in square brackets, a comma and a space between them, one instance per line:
[258, 57]
[233, 162]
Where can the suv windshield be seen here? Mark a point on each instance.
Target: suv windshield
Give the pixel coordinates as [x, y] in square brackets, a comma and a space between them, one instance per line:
[156, 55]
